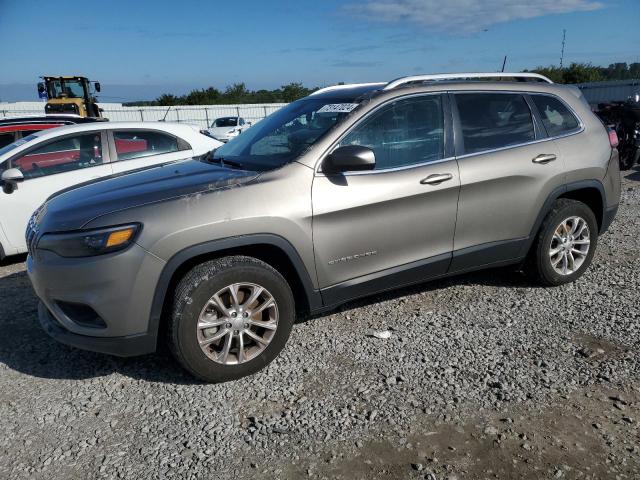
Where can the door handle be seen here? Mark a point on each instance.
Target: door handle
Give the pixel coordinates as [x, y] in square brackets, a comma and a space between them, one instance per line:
[436, 179]
[544, 158]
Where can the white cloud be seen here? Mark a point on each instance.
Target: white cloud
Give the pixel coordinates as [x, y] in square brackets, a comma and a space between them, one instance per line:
[464, 15]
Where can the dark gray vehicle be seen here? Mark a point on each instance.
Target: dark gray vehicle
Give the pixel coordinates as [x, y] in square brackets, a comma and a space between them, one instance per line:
[353, 190]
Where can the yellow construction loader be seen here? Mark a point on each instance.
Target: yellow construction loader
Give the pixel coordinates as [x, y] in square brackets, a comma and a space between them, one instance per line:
[69, 95]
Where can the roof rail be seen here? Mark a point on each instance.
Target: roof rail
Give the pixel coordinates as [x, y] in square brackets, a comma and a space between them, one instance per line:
[348, 85]
[463, 76]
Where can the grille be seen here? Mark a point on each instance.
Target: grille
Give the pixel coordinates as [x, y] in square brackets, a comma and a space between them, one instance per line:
[31, 235]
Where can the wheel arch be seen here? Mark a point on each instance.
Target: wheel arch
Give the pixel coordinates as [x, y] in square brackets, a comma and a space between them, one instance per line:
[271, 249]
[590, 192]
[590, 196]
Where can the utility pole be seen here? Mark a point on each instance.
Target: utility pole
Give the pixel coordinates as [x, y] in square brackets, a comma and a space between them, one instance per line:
[564, 36]
[504, 62]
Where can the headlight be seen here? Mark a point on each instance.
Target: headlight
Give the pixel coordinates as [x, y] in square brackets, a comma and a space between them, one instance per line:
[87, 243]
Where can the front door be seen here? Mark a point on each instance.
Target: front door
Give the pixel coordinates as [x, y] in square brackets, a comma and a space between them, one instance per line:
[392, 224]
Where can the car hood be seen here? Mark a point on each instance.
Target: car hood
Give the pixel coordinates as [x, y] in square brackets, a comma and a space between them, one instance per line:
[73, 208]
[221, 130]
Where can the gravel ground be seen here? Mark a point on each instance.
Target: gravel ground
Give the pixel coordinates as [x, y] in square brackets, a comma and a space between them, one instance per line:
[483, 376]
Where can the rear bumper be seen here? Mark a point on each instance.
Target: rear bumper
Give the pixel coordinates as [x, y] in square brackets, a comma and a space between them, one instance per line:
[120, 346]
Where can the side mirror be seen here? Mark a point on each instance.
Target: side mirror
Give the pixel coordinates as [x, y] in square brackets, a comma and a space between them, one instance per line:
[349, 158]
[40, 87]
[96, 85]
[10, 179]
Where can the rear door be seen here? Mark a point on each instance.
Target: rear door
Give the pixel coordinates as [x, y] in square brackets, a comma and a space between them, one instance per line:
[392, 225]
[508, 168]
[48, 168]
[138, 148]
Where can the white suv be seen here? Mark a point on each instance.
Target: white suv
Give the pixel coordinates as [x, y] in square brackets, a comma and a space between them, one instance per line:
[52, 160]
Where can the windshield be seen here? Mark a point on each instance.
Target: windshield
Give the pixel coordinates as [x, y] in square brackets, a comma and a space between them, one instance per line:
[71, 88]
[225, 122]
[285, 134]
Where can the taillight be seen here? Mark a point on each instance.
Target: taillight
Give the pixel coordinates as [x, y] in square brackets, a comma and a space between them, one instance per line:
[613, 138]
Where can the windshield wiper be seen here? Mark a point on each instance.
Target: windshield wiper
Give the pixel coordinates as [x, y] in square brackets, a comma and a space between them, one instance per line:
[221, 160]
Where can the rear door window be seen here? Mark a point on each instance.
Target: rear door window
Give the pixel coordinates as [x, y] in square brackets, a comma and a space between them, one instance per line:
[132, 144]
[556, 117]
[493, 120]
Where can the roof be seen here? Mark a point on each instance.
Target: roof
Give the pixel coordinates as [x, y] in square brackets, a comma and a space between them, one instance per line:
[351, 91]
[65, 77]
[40, 119]
[346, 92]
[170, 127]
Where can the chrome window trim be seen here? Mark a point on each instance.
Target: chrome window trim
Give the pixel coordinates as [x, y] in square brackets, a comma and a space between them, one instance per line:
[577, 131]
[392, 169]
[509, 147]
[322, 157]
[570, 133]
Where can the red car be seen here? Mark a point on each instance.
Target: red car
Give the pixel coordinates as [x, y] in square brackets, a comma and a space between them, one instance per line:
[12, 129]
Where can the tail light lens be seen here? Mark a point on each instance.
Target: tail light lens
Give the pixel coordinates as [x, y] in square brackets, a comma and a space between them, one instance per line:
[613, 138]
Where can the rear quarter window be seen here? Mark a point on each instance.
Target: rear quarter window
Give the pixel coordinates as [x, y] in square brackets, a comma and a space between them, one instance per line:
[556, 116]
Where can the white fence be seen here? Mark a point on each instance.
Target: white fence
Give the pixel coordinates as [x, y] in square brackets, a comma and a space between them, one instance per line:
[202, 115]
[610, 91]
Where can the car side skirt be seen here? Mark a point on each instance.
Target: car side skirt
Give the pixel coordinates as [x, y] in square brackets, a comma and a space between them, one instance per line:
[490, 255]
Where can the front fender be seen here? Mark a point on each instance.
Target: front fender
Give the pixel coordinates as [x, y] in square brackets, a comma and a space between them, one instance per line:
[173, 265]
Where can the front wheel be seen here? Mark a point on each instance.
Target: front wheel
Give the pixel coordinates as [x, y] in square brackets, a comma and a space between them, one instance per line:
[565, 244]
[231, 317]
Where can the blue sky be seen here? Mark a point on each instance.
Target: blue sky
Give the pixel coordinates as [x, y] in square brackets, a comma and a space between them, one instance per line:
[139, 49]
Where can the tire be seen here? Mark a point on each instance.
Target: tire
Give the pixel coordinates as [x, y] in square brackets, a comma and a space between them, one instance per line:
[194, 306]
[540, 264]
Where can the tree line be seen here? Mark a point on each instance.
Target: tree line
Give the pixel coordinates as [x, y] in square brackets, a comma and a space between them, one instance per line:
[586, 72]
[239, 94]
[233, 94]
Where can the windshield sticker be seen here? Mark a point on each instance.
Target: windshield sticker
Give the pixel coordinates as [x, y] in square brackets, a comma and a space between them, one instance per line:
[338, 108]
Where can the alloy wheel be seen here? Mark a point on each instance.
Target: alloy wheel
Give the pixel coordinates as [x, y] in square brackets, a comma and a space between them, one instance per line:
[237, 323]
[569, 245]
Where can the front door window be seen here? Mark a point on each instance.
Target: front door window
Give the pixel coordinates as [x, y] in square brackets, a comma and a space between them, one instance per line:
[64, 155]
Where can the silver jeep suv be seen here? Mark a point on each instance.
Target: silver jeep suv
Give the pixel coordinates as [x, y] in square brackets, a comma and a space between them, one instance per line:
[350, 191]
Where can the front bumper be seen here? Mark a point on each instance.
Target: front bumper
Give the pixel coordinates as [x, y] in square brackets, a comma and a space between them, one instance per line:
[128, 346]
[118, 287]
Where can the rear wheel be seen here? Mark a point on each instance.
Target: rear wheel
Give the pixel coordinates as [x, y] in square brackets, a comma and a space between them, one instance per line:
[565, 244]
[231, 317]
